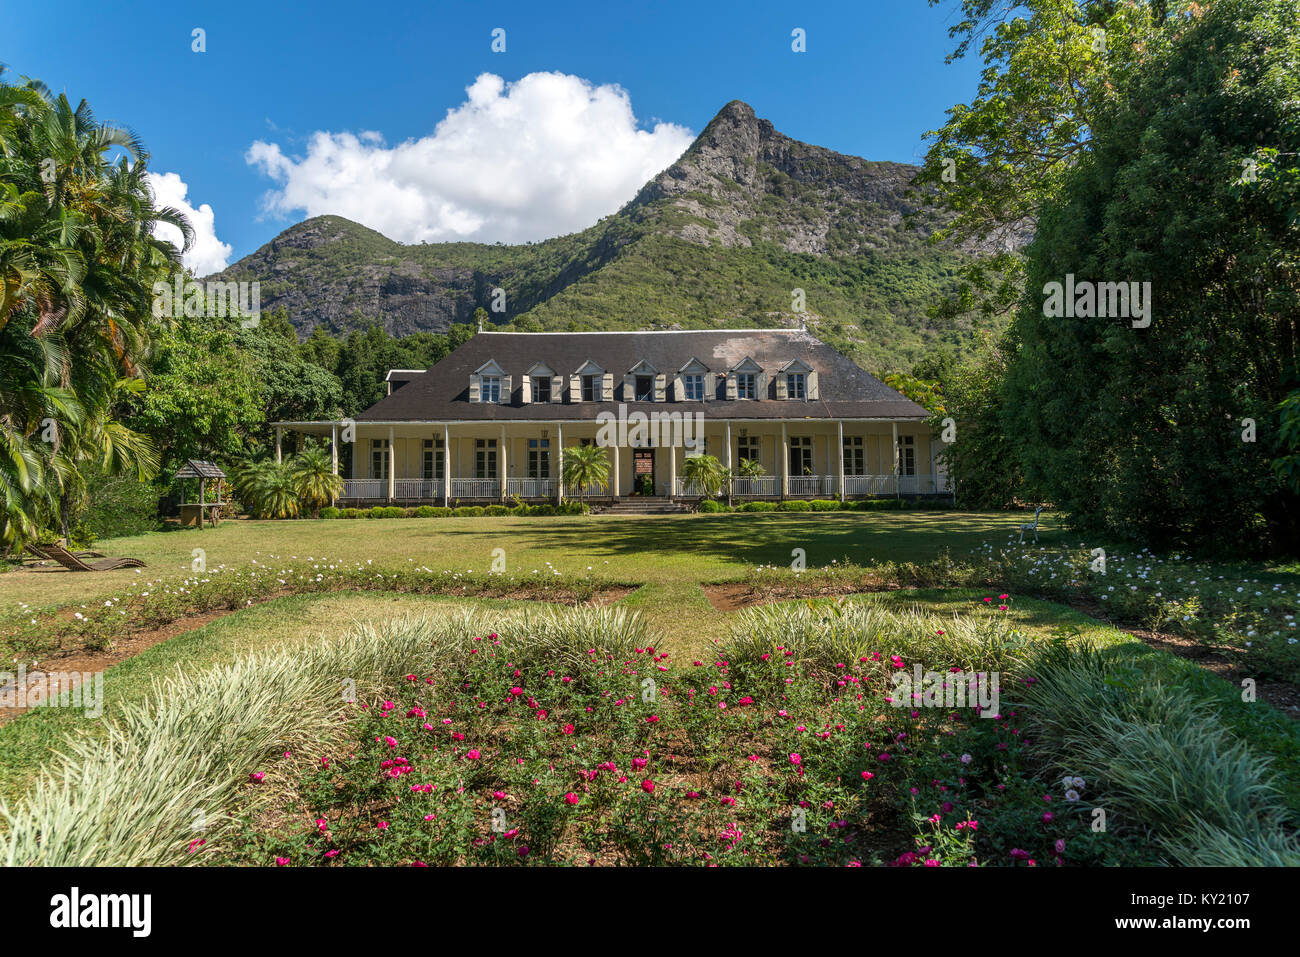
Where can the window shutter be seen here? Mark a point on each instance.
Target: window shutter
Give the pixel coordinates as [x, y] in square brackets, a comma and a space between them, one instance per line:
[629, 388]
[474, 388]
[557, 388]
[810, 386]
[782, 386]
[575, 388]
[760, 385]
[607, 387]
[506, 383]
[679, 389]
[731, 387]
[526, 390]
[661, 385]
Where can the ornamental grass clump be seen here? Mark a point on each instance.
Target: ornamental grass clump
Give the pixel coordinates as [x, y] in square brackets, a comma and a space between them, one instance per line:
[1165, 758]
[163, 775]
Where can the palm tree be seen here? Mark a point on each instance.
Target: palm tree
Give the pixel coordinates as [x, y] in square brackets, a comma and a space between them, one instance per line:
[314, 479]
[585, 466]
[78, 260]
[266, 488]
[748, 468]
[705, 473]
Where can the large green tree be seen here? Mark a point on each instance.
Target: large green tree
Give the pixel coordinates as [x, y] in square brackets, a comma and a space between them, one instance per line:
[1168, 433]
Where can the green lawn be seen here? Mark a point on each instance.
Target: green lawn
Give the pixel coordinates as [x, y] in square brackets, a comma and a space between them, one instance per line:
[663, 550]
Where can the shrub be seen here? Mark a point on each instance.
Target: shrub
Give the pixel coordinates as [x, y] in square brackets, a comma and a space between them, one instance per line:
[824, 505]
[469, 511]
[424, 511]
[351, 513]
[709, 505]
[794, 505]
[497, 510]
[437, 511]
[758, 507]
[329, 511]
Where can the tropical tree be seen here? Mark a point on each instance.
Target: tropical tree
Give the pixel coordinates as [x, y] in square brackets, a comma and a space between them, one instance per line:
[705, 474]
[314, 480]
[78, 260]
[746, 468]
[585, 466]
[267, 488]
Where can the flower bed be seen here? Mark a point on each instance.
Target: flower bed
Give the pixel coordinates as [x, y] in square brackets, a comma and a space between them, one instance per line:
[508, 755]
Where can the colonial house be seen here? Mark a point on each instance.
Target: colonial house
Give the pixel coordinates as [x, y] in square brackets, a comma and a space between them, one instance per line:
[491, 420]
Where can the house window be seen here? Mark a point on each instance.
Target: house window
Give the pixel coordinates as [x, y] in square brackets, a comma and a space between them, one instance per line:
[485, 458]
[434, 459]
[795, 386]
[906, 455]
[539, 458]
[591, 388]
[693, 386]
[541, 388]
[746, 387]
[801, 455]
[490, 389]
[379, 458]
[855, 458]
[645, 388]
[748, 447]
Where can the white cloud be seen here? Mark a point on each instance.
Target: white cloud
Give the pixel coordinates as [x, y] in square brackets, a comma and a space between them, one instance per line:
[546, 155]
[208, 254]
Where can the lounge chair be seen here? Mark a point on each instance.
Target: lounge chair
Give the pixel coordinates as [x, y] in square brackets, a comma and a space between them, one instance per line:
[39, 552]
[57, 553]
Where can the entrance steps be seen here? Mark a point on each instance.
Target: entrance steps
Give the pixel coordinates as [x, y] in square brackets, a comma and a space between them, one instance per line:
[641, 505]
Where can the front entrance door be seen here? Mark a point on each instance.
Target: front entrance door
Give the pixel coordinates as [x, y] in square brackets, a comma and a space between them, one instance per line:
[643, 471]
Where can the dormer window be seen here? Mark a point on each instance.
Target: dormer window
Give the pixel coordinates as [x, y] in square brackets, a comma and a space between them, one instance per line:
[541, 388]
[489, 383]
[693, 386]
[796, 380]
[645, 388]
[591, 388]
[746, 385]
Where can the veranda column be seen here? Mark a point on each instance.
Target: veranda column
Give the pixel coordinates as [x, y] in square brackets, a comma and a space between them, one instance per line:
[559, 464]
[839, 456]
[614, 483]
[446, 464]
[392, 464]
[929, 442]
[726, 460]
[896, 482]
[278, 432]
[672, 471]
[503, 464]
[783, 463]
[334, 452]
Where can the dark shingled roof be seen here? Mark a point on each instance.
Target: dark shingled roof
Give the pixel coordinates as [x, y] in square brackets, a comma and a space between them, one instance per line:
[442, 393]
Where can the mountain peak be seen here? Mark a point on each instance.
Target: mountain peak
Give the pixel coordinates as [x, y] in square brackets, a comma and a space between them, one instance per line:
[743, 181]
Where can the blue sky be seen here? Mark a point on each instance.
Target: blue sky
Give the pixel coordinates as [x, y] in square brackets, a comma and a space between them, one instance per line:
[266, 127]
